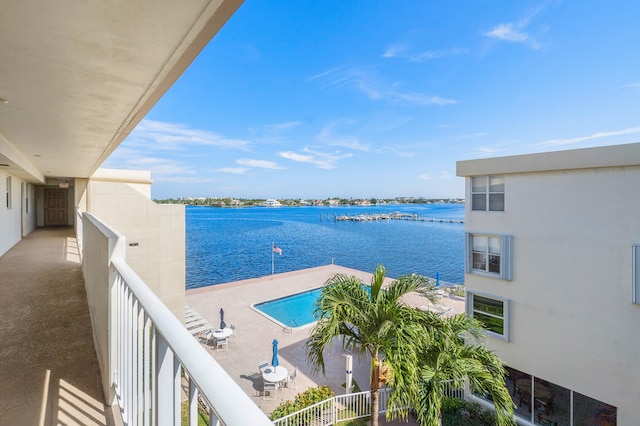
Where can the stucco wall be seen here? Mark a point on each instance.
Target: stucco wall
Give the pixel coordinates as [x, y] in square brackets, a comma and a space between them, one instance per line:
[571, 317]
[155, 237]
[105, 243]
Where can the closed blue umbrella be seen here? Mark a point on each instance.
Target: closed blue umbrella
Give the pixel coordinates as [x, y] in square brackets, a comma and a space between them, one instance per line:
[222, 323]
[274, 360]
[437, 279]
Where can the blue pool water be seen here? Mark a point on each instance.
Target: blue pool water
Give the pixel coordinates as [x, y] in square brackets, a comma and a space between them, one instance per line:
[292, 311]
[295, 310]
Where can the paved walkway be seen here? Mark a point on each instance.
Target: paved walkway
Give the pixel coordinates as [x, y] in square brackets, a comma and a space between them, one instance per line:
[49, 371]
[255, 332]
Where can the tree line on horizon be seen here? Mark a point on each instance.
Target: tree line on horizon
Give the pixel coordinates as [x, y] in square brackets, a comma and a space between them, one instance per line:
[251, 202]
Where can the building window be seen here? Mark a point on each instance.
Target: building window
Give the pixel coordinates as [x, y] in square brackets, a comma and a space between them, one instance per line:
[542, 402]
[487, 193]
[635, 278]
[489, 254]
[8, 192]
[492, 312]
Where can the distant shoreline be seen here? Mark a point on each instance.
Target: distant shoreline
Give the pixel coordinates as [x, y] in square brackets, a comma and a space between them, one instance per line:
[333, 202]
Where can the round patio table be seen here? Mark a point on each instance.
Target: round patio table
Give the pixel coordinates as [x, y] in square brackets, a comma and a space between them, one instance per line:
[274, 374]
[221, 334]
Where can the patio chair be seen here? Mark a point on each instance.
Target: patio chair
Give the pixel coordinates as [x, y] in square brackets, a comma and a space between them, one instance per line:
[545, 403]
[262, 366]
[208, 335]
[233, 328]
[270, 387]
[221, 343]
[292, 378]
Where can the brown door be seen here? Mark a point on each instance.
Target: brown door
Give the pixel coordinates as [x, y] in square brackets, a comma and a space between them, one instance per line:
[55, 207]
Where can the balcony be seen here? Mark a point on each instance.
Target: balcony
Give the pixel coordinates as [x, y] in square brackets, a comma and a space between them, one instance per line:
[50, 372]
[65, 365]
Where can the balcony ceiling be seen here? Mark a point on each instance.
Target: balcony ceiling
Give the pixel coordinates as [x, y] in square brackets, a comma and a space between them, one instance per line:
[79, 75]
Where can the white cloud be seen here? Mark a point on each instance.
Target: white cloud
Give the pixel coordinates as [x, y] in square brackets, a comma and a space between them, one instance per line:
[323, 160]
[394, 52]
[367, 82]
[507, 32]
[634, 86]
[276, 128]
[327, 137]
[162, 169]
[161, 135]
[233, 170]
[404, 154]
[487, 150]
[283, 126]
[403, 52]
[421, 99]
[262, 164]
[599, 135]
[163, 166]
[300, 158]
[515, 32]
[425, 176]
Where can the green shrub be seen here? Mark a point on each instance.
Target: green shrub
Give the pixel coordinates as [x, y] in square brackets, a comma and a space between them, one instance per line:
[302, 400]
[473, 408]
[450, 405]
[487, 417]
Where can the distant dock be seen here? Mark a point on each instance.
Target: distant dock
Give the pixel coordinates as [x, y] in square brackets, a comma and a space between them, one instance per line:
[392, 216]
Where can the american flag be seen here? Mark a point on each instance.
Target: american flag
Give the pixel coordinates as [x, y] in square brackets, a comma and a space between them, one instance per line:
[277, 249]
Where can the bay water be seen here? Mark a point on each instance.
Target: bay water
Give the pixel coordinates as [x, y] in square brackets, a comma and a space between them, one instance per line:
[231, 244]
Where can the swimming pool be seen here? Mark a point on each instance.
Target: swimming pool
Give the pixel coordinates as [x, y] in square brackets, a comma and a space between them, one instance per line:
[291, 311]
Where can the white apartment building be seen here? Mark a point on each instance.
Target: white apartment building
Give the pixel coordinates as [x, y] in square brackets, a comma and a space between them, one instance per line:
[75, 79]
[552, 267]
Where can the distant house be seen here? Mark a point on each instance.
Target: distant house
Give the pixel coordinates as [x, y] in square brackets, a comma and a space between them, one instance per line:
[552, 263]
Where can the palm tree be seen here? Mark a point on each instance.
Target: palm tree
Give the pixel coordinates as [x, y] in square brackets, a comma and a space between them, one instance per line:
[453, 355]
[374, 320]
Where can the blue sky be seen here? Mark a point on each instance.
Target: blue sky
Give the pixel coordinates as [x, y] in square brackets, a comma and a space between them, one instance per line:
[317, 99]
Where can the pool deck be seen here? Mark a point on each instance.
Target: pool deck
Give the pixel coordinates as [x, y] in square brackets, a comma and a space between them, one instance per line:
[252, 342]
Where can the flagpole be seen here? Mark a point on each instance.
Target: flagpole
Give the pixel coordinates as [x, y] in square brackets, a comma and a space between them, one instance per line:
[272, 254]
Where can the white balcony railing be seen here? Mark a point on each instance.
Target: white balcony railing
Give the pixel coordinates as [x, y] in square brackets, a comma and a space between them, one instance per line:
[336, 409]
[341, 408]
[145, 353]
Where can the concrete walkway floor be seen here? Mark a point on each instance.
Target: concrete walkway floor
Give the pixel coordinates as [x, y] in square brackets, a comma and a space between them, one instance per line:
[49, 371]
